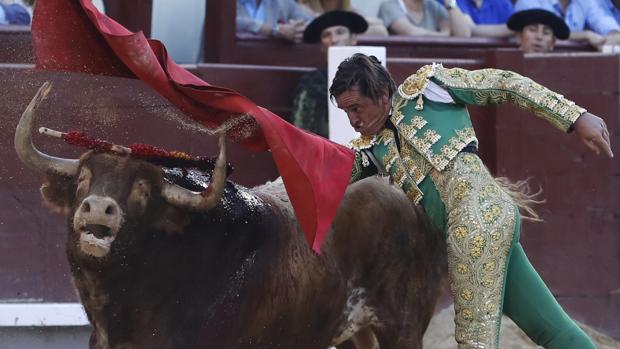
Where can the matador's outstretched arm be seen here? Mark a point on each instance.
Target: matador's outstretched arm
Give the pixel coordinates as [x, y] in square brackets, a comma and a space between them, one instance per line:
[486, 86]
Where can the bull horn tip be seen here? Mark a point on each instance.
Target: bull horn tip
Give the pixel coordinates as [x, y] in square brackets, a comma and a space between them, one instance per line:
[46, 88]
[28, 153]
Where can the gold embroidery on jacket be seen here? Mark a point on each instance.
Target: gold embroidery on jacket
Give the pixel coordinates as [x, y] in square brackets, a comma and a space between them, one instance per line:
[499, 86]
[415, 84]
[397, 103]
[363, 142]
[455, 145]
[408, 130]
[415, 163]
[397, 117]
[411, 128]
[358, 169]
[402, 168]
[425, 143]
[418, 121]
[361, 160]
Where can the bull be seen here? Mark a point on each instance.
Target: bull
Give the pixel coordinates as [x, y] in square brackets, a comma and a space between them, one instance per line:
[163, 258]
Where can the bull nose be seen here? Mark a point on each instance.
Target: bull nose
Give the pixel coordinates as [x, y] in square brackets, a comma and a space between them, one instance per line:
[99, 206]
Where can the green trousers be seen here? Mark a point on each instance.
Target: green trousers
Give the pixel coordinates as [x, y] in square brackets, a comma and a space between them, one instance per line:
[489, 271]
[530, 304]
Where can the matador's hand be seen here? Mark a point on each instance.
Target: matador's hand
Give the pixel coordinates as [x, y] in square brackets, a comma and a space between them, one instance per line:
[593, 133]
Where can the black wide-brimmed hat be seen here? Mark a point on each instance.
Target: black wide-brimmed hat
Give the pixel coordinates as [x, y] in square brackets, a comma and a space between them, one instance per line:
[356, 24]
[520, 19]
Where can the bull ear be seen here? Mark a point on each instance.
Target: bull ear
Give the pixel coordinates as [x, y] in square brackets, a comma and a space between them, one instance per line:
[172, 220]
[57, 193]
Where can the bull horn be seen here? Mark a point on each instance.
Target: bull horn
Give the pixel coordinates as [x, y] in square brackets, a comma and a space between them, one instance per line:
[201, 201]
[28, 153]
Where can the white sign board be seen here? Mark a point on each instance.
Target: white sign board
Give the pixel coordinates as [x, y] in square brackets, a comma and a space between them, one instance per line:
[180, 25]
[340, 131]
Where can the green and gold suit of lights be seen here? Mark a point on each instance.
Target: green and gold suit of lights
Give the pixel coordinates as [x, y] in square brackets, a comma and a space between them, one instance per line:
[489, 272]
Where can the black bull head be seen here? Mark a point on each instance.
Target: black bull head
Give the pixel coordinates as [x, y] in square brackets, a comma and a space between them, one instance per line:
[99, 213]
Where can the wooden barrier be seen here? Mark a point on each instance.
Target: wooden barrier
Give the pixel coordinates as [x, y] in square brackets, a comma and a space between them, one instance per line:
[270, 86]
[254, 49]
[249, 49]
[16, 44]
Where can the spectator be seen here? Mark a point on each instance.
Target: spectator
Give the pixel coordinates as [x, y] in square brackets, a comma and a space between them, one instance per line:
[586, 19]
[279, 18]
[334, 28]
[14, 14]
[611, 7]
[424, 17]
[537, 29]
[486, 11]
[487, 17]
[368, 8]
[375, 25]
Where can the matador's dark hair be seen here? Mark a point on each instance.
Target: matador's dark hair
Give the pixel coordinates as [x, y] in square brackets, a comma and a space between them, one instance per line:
[365, 73]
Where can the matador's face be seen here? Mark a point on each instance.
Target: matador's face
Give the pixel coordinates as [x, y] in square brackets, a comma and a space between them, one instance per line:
[365, 115]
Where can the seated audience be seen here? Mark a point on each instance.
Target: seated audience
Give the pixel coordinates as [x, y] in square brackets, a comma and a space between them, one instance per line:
[318, 7]
[537, 29]
[586, 19]
[424, 17]
[14, 14]
[334, 28]
[284, 19]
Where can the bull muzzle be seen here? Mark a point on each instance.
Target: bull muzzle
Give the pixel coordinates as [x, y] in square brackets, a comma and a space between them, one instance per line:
[97, 220]
[28, 153]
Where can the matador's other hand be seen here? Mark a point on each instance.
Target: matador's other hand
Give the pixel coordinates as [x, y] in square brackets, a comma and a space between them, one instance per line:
[593, 133]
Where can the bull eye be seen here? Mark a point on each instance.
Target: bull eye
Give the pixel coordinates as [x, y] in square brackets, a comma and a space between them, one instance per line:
[84, 174]
[140, 192]
[86, 207]
[144, 188]
[83, 181]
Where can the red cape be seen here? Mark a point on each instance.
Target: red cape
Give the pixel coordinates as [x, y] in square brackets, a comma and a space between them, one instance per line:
[72, 35]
